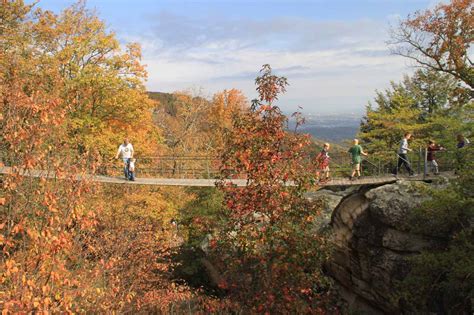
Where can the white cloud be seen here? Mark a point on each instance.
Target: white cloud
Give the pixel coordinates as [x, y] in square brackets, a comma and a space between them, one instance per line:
[331, 65]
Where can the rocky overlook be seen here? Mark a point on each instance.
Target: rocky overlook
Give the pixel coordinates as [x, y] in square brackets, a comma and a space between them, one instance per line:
[372, 242]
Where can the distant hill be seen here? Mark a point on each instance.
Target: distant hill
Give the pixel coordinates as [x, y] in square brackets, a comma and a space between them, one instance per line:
[337, 134]
[335, 128]
[329, 128]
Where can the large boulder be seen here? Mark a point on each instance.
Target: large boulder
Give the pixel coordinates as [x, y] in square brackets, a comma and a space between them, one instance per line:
[372, 245]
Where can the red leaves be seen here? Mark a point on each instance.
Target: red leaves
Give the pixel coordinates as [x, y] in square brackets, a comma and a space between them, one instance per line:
[268, 241]
[223, 284]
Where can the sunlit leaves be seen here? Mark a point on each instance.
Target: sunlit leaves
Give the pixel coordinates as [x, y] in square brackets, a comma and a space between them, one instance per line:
[270, 253]
[65, 87]
[440, 39]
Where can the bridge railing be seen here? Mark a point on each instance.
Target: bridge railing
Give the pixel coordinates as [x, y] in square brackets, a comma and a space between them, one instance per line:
[167, 166]
[209, 167]
[378, 164]
[202, 166]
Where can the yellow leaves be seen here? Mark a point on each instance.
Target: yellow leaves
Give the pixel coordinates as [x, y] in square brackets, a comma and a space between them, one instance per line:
[50, 201]
[29, 163]
[60, 228]
[44, 117]
[11, 267]
[47, 301]
[18, 228]
[134, 50]
[45, 289]
[447, 25]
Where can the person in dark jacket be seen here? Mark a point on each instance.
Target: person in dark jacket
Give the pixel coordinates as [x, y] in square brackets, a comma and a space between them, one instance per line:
[463, 142]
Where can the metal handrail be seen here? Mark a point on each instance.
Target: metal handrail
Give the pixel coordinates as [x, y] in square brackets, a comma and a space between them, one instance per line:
[207, 166]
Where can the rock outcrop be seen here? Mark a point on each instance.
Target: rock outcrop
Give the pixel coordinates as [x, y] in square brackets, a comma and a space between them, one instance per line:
[329, 199]
[371, 244]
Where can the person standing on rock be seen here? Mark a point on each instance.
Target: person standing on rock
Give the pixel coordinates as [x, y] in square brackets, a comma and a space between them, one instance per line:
[403, 156]
[126, 150]
[356, 151]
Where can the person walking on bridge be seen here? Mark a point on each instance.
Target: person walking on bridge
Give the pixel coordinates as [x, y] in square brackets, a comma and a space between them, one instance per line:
[462, 141]
[126, 150]
[322, 160]
[356, 151]
[431, 158]
[461, 146]
[403, 156]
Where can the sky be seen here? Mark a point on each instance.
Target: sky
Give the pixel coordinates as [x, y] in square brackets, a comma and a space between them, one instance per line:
[333, 52]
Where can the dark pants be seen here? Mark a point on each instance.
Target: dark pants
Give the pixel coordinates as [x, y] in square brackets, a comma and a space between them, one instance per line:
[403, 160]
[126, 172]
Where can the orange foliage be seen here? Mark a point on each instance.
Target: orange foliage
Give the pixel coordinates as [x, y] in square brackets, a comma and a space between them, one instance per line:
[60, 252]
[102, 84]
[440, 39]
[194, 125]
[223, 107]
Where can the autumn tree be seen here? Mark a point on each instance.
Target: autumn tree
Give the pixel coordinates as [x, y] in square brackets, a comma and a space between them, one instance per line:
[193, 124]
[440, 39]
[184, 126]
[102, 83]
[268, 250]
[61, 253]
[37, 216]
[224, 106]
[227, 103]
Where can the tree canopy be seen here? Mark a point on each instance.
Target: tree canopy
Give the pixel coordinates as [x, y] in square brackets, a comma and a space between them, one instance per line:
[440, 39]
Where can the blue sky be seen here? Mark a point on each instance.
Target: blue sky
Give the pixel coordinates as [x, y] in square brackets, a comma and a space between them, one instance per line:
[333, 52]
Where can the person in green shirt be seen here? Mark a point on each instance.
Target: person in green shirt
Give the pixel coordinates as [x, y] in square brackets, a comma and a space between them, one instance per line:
[356, 151]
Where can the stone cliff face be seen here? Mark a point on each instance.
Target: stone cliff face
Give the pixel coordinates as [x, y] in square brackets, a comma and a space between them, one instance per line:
[371, 244]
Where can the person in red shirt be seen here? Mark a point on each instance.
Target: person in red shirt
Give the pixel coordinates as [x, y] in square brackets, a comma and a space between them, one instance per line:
[431, 158]
[322, 160]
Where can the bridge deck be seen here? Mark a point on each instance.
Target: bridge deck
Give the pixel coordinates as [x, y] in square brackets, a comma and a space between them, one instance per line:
[383, 179]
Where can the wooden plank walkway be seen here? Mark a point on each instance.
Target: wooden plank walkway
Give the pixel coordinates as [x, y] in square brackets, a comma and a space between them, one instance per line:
[369, 180]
